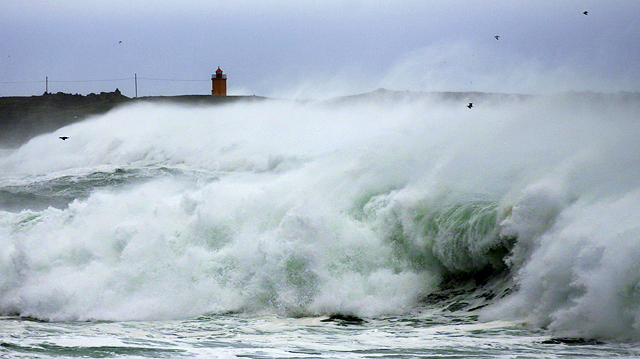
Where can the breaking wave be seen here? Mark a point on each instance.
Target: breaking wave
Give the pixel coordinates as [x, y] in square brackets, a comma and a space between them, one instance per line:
[358, 207]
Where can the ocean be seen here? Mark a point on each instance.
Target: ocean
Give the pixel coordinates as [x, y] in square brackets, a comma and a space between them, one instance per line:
[380, 226]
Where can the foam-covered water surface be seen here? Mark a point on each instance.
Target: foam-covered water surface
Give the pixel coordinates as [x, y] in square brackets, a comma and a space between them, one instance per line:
[233, 336]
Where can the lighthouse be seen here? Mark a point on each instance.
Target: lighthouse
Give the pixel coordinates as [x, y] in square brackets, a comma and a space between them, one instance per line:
[218, 83]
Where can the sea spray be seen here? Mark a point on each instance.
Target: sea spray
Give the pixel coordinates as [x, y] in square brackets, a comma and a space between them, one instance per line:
[307, 209]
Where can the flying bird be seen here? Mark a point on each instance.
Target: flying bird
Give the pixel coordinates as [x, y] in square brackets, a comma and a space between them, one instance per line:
[64, 138]
[586, 12]
[497, 37]
[470, 105]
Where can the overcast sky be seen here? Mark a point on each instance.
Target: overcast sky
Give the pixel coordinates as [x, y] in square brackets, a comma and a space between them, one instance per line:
[318, 49]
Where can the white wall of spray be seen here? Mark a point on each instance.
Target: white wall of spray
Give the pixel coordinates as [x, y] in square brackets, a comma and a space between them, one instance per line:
[299, 219]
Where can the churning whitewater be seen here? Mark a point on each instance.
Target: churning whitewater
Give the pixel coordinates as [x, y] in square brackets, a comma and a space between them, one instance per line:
[525, 209]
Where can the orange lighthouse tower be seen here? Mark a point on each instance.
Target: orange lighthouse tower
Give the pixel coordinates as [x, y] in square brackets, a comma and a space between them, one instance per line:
[218, 83]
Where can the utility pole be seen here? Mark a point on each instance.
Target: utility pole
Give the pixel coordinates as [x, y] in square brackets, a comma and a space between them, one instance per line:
[46, 88]
[136, 85]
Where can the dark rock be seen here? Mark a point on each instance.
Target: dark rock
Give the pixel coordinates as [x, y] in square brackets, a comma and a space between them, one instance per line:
[572, 341]
[344, 319]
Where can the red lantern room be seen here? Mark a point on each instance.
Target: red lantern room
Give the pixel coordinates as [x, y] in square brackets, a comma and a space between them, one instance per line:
[219, 83]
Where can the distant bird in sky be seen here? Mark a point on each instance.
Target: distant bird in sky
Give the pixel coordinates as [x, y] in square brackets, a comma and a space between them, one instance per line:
[586, 12]
[497, 37]
[470, 105]
[64, 138]
[119, 42]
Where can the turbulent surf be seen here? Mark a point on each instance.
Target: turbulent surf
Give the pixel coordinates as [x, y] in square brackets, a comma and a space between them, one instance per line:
[407, 213]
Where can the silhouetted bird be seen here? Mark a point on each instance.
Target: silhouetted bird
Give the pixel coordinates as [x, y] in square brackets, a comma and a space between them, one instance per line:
[586, 12]
[64, 137]
[470, 105]
[497, 37]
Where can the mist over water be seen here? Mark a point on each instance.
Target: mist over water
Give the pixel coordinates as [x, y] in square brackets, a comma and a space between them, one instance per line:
[357, 207]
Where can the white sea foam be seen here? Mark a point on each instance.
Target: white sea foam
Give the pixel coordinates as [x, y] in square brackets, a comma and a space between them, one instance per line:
[334, 208]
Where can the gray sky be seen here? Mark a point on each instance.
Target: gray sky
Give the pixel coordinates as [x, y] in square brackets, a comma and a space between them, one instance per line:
[318, 49]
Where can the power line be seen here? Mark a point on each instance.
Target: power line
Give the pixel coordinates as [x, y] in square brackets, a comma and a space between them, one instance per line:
[22, 82]
[175, 80]
[107, 80]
